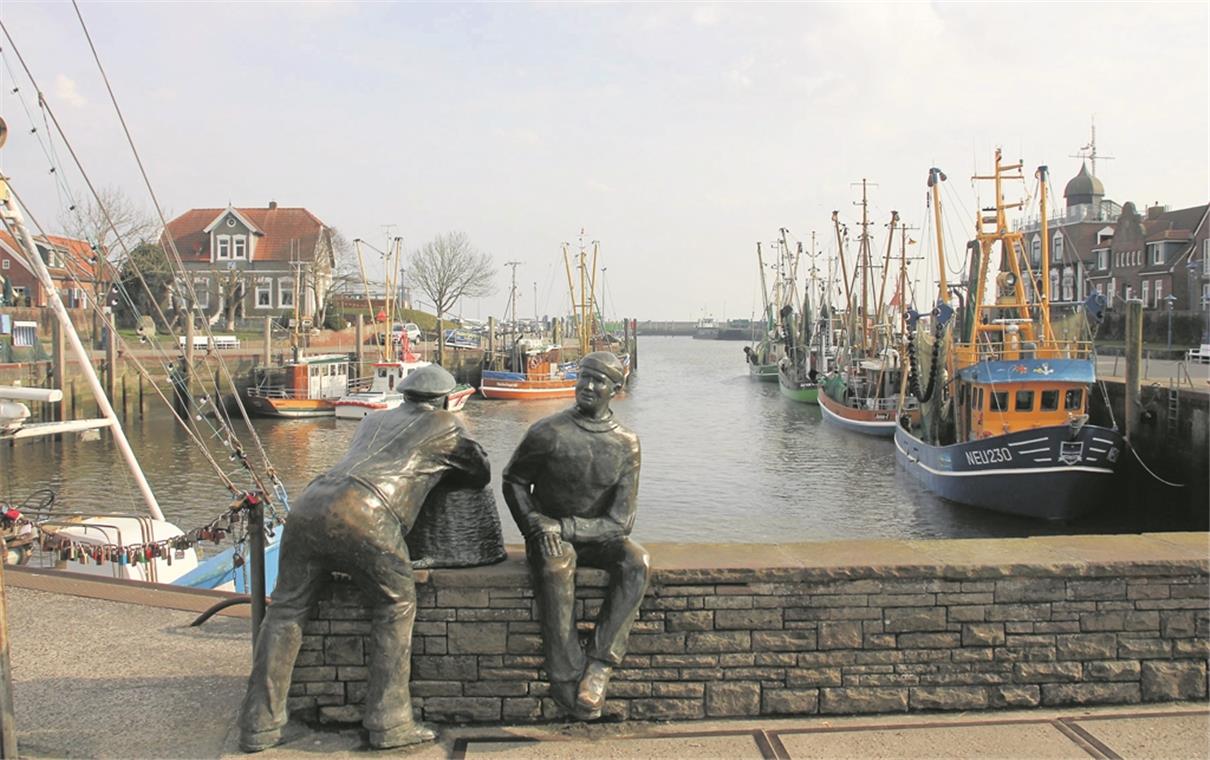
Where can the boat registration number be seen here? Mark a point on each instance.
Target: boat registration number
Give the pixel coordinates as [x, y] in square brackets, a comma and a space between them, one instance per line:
[989, 456]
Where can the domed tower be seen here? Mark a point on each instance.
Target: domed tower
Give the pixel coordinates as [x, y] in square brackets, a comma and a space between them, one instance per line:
[1084, 189]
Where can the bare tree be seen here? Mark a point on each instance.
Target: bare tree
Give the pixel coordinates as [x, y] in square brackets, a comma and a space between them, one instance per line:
[447, 269]
[337, 279]
[132, 227]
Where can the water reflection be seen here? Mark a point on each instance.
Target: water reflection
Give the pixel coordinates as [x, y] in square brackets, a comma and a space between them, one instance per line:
[724, 459]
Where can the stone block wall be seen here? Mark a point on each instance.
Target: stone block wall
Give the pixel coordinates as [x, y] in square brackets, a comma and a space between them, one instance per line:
[762, 633]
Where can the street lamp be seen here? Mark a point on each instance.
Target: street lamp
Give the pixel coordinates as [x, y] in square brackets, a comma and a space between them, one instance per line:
[1170, 299]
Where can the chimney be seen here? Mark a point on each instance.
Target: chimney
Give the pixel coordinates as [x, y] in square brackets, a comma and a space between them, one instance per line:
[272, 205]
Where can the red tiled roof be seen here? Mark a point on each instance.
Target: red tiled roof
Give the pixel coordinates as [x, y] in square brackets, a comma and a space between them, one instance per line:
[280, 228]
[77, 258]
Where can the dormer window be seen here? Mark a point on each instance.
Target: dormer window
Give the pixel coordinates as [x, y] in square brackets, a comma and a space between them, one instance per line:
[222, 247]
[239, 249]
[1102, 260]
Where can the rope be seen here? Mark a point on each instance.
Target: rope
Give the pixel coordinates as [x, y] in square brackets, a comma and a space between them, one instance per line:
[1148, 469]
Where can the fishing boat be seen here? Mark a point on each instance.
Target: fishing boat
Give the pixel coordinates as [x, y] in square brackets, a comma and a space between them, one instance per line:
[1006, 424]
[309, 386]
[768, 349]
[863, 393]
[808, 351]
[533, 368]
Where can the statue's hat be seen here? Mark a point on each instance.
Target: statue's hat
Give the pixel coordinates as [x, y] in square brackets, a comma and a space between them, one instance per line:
[605, 362]
[428, 382]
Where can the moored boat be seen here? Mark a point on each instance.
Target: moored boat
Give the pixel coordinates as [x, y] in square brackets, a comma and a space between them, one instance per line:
[307, 387]
[1013, 435]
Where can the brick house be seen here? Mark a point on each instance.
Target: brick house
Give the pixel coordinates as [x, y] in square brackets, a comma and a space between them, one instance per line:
[1153, 255]
[1075, 232]
[71, 263]
[249, 263]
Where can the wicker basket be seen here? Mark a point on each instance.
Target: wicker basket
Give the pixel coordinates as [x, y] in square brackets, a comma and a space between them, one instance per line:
[457, 528]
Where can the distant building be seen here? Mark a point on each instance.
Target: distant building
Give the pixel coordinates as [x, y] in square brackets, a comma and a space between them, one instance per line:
[248, 263]
[71, 263]
[1153, 255]
[1086, 219]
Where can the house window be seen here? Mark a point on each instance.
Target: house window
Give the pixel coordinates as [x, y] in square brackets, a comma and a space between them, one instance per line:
[201, 289]
[1056, 248]
[1129, 292]
[1054, 285]
[1146, 292]
[1159, 293]
[5, 264]
[25, 333]
[1102, 260]
[1068, 285]
[264, 293]
[1157, 253]
[285, 293]
[1035, 251]
[239, 249]
[223, 243]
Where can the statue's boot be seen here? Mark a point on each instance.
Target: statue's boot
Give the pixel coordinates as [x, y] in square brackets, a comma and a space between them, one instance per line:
[402, 736]
[564, 695]
[259, 741]
[591, 696]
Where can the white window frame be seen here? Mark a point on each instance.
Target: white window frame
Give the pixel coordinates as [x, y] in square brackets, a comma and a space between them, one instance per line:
[1056, 248]
[222, 247]
[1129, 292]
[239, 247]
[285, 292]
[1068, 285]
[1103, 260]
[264, 286]
[1157, 253]
[1035, 250]
[1159, 293]
[5, 264]
[1147, 294]
[25, 334]
[1054, 285]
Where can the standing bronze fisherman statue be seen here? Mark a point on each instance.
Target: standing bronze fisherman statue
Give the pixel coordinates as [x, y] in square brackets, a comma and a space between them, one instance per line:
[572, 487]
[353, 519]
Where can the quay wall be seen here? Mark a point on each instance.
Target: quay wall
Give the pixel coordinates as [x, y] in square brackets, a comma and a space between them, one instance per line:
[831, 628]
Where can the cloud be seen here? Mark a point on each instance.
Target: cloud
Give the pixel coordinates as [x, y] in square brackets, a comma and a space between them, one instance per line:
[65, 89]
[739, 73]
[705, 15]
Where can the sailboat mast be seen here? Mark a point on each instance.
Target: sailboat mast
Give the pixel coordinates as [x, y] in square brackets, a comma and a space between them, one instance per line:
[764, 291]
[886, 266]
[936, 177]
[15, 222]
[592, 295]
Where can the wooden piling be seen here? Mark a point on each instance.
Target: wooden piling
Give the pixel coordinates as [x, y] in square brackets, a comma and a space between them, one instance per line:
[1134, 363]
[125, 408]
[491, 338]
[359, 349]
[59, 370]
[268, 337]
[111, 360]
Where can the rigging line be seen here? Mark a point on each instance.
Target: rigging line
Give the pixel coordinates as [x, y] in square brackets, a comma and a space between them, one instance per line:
[270, 470]
[113, 333]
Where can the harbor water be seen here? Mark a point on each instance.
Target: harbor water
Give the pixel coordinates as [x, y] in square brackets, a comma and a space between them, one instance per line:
[725, 459]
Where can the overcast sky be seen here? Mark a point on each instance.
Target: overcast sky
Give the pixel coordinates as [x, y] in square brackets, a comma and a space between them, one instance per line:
[677, 135]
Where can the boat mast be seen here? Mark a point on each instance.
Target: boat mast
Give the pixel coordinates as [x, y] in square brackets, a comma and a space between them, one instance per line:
[1043, 179]
[15, 222]
[844, 275]
[764, 291]
[864, 253]
[886, 266]
[936, 177]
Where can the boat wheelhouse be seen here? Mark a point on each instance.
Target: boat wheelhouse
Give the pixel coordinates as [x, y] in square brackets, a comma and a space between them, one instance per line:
[307, 387]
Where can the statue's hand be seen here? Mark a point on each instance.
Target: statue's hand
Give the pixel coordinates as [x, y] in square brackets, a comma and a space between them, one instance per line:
[550, 545]
[537, 523]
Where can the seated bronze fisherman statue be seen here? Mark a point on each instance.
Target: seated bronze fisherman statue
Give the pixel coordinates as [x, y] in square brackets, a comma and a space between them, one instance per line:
[572, 486]
[353, 519]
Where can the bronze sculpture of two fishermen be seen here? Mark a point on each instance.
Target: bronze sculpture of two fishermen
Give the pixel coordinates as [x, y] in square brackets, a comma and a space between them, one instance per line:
[571, 486]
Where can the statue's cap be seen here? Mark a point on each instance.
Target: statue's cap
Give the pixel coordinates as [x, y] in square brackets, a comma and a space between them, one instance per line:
[428, 382]
[605, 362]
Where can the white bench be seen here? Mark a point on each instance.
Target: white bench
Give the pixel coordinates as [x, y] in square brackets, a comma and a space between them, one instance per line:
[1200, 355]
[220, 341]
